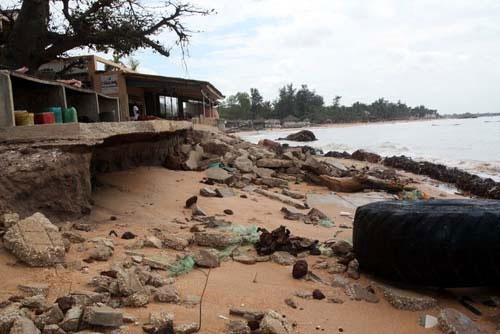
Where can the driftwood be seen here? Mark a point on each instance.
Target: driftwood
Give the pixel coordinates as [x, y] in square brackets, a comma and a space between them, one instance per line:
[359, 183]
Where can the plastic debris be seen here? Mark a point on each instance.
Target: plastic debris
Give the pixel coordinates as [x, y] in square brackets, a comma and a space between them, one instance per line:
[182, 266]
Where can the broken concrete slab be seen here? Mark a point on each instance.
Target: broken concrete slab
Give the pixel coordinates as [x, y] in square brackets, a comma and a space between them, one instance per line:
[407, 300]
[243, 164]
[33, 289]
[207, 192]
[35, 241]
[264, 172]
[218, 240]
[207, 258]
[224, 192]
[347, 200]
[274, 163]
[219, 175]
[283, 258]
[167, 294]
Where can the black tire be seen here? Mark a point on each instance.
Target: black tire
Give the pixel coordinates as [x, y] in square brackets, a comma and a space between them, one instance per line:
[442, 243]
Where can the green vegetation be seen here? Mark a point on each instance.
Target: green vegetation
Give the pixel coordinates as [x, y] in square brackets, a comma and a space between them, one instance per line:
[305, 104]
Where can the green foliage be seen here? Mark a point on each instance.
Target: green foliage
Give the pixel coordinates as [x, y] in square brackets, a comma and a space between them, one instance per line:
[306, 104]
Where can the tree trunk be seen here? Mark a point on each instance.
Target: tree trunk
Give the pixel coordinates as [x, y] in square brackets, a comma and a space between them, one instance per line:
[28, 39]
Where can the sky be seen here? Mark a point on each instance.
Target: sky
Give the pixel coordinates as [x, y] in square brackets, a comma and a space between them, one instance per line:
[444, 54]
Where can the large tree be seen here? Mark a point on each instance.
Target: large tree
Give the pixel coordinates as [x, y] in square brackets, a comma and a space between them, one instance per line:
[45, 29]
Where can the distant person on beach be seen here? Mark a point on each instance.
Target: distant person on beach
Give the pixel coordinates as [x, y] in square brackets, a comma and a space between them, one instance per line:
[135, 111]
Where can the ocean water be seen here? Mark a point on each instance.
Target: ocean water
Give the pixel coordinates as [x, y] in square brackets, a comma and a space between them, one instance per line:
[469, 144]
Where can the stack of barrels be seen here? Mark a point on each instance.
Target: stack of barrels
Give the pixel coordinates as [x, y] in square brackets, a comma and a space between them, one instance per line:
[50, 115]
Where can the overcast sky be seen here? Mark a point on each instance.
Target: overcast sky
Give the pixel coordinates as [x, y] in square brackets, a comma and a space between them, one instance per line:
[444, 54]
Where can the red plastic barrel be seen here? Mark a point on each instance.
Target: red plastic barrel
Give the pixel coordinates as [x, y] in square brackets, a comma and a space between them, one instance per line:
[45, 118]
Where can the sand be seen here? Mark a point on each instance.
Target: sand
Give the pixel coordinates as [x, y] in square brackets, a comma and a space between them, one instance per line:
[146, 198]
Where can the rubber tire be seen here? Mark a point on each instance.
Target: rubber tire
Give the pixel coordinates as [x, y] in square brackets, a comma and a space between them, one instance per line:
[441, 243]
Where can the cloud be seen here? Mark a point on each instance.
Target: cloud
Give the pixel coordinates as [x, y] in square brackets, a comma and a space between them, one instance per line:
[444, 54]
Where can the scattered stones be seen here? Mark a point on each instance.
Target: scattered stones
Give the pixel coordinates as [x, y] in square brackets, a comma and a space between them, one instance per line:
[407, 300]
[274, 323]
[191, 201]
[452, 321]
[300, 269]
[218, 240]
[102, 316]
[35, 241]
[207, 258]
[292, 194]
[274, 163]
[71, 319]
[353, 269]
[152, 241]
[283, 258]
[197, 211]
[291, 303]
[229, 212]
[167, 294]
[342, 247]
[224, 192]
[237, 327]
[244, 164]
[317, 294]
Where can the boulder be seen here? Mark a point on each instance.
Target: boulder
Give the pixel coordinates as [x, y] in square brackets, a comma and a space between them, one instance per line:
[215, 146]
[274, 163]
[207, 258]
[243, 164]
[102, 316]
[186, 328]
[237, 327]
[302, 135]
[8, 219]
[318, 167]
[23, 325]
[407, 300]
[218, 175]
[264, 172]
[152, 241]
[35, 241]
[283, 258]
[363, 155]
[71, 319]
[207, 192]
[300, 269]
[275, 323]
[52, 316]
[452, 321]
[218, 240]
[167, 294]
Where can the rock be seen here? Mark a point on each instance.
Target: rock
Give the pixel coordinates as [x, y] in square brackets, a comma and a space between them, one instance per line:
[193, 158]
[71, 320]
[228, 212]
[167, 294]
[264, 172]
[353, 269]
[33, 289]
[191, 201]
[137, 299]
[22, 325]
[52, 316]
[304, 294]
[274, 323]
[83, 227]
[452, 321]
[216, 147]
[270, 144]
[101, 252]
[37, 302]
[282, 198]
[318, 168]
[218, 175]
[428, 321]
[363, 155]
[342, 184]
[158, 262]
[237, 327]
[407, 300]
[337, 268]
[356, 292]
[302, 135]
[207, 192]
[291, 302]
[174, 242]
[224, 192]
[292, 194]
[186, 328]
[86, 298]
[218, 240]
[128, 282]
[342, 247]
[248, 314]
[73, 237]
[7, 220]
[102, 316]
[65, 303]
[272, 182]
[283, 258]
[300, 269]
[152, 241]
[162, 323]
[196, 211]
[317, 294]
[35, 241]
[53, 329]
[191, 300]
[245, 259]
[7, 317]
[274, 163]
[207, 258]
[157, 281]
[243, 164]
